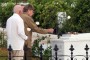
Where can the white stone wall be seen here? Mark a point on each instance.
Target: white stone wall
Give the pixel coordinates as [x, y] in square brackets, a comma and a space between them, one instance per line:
[78, 41]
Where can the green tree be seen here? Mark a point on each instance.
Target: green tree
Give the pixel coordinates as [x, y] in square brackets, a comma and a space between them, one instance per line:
[80, 17]
[5, 13]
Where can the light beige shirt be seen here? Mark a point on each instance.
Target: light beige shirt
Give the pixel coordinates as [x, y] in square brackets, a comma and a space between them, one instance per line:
[15, 32]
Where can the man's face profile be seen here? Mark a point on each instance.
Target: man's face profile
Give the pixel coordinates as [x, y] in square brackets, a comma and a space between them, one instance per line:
[30, 12]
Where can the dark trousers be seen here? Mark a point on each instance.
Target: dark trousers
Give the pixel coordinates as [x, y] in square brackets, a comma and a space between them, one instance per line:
[27, 53]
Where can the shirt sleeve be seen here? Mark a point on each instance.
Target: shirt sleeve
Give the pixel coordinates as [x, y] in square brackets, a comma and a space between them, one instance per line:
[21, 31]
[31, 24]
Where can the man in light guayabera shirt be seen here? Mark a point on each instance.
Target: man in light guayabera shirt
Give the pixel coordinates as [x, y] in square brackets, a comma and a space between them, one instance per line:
[15, 33]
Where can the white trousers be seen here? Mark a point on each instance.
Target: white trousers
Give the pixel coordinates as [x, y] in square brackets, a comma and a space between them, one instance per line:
[17, 55]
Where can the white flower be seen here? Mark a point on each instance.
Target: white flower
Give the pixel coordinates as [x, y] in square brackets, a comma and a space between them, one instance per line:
[28, 29]
[37, 23]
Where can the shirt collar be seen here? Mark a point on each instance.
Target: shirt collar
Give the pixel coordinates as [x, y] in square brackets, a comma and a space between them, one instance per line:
[16, 14]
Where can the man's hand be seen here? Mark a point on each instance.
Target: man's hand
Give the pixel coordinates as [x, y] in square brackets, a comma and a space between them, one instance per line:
[50, 30]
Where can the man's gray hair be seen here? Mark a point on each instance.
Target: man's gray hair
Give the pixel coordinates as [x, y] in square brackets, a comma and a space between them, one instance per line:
[17, 8]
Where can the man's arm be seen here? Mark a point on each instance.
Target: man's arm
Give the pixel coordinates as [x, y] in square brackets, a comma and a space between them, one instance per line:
[21, 31]
[31, 24]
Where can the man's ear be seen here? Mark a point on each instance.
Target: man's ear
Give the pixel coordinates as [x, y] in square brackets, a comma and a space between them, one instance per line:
[27, 10]
[20, 12]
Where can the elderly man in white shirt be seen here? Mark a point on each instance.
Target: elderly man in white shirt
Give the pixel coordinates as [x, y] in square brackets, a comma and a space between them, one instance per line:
[15, 33]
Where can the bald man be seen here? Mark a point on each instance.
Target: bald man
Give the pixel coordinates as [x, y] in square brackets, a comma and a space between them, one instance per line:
[15, 33]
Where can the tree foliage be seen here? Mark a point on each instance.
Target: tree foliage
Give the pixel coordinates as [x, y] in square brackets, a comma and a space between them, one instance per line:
[5, 13]
[80, 17]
